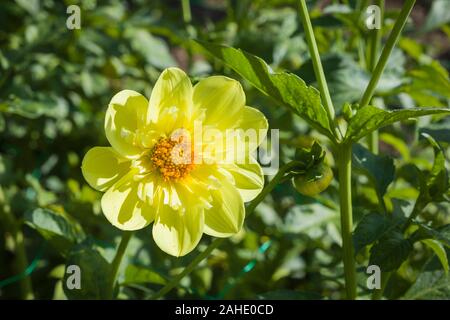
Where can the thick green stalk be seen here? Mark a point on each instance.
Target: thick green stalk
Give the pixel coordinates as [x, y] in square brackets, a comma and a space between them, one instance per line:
[390, 43]
[345, 194]
[345, 168]
[317, 64]
[126, 236]
[278, 178]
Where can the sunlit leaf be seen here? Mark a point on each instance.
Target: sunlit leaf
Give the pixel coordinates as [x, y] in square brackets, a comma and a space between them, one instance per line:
[438, 15]
[136, 274]
[370, 118]
[434, 185]
[59, 229]
[424, 232]
[433, 283]
[153, 49]
[285, 88]
[347, 80]
[397, 143]
[439, 250]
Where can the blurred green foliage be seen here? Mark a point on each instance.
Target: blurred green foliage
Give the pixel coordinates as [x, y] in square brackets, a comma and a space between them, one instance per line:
[55, 84]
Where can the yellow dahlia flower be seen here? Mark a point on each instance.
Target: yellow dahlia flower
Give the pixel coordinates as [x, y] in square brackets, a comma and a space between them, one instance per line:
[155, 172]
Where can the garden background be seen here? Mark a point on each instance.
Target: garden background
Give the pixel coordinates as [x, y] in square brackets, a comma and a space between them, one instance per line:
[55, 85]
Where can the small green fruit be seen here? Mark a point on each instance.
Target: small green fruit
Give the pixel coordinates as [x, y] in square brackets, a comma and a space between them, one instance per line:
[315, 181]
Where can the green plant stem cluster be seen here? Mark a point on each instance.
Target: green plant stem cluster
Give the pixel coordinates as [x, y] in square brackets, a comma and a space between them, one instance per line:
[344, 159]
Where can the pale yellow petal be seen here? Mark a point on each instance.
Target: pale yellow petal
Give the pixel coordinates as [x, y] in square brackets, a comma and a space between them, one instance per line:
[147, 188]
[103, 166]
[178, 233]
[248, 178]
[223, 100]
[222, 146]
[253, 126]
[171, 98]
[193, 193]
[123, 208]
[125, 115]
[227, 214]
[235, 144]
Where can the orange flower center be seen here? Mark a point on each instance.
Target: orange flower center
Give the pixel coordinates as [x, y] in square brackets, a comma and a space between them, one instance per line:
[173, 157]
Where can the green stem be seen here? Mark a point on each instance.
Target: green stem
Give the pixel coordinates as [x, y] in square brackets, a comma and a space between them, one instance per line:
[186, 7]
[345, 194]
[372, 52]
[360, 7]
[126, 236]
[373, 142]
[279, 177]
[378, 294]
[390, 43]
[199, 258]
[317, 64]
[375, 40]
[20, 263]
[344, 160]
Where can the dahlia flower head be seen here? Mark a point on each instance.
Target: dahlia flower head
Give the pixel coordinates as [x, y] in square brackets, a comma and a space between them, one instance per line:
[183, 160]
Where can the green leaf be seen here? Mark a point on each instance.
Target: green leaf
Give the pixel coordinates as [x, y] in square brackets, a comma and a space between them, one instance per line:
[2, 123]
[439, 15]
[439, 250]
[285, 88]
[371, 228]
[135, 274]
[289, 295]
[93, 83]
[396, 143]
[31, 6]
[309, 156]
[303, 218]
[59, 229]
[54, 107]
[437, 180]
[432, 284]
[435, 184]
[420, 81]
[390, 252]
[347, 80]
[441, 234]
[379, 169]
[438, 132]
[370, 118]
[95, 273]
[153, 49]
